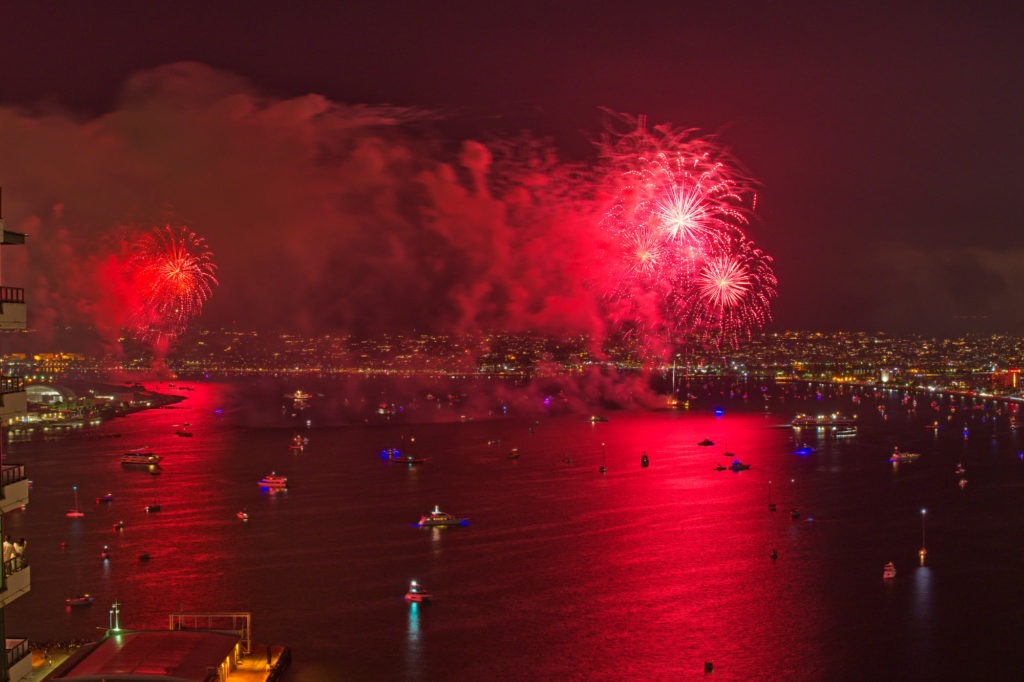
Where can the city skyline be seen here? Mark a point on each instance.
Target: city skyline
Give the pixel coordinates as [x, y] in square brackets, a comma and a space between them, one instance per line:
[881, 145]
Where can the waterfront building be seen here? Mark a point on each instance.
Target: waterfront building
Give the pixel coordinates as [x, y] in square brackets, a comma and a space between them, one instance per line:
[15, 578]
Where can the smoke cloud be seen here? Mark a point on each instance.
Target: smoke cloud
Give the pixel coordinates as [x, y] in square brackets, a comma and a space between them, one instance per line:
[320, 215]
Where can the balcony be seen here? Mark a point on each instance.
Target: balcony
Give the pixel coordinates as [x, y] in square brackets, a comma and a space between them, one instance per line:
[19, 659]
[17, 580]
[13, 487]
[12, 308]
[13, 399]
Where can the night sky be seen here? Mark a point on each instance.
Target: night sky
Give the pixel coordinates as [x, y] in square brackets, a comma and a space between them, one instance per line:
[296, 137]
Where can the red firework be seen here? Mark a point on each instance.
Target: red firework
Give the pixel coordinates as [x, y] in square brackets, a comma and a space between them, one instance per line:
[677, 217]
[171, 273]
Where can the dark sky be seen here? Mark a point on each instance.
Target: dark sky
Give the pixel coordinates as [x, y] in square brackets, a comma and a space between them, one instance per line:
[887, 138]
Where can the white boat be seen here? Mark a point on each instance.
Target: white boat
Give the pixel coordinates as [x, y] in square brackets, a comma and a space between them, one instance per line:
[418, 593]
[440, 518]
[142, 457]
[889, 571]
[272, 480]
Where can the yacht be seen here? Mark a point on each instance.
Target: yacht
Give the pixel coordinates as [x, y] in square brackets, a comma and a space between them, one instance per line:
[440, 518]
[141, 457]
[821, 421]
[272, 480]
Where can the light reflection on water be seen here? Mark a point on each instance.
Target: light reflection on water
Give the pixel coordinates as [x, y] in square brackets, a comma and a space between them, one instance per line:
[641, 573]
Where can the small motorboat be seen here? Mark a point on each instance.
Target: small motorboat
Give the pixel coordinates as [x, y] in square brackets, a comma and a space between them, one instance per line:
[440, 518]
[804, 449]
[513, 453]
[152, 508]
[721, 467]
[143, 557]
[105, 499]
[243, 515]
[79, 600]
[962, 483]
[273, 481]
[119, 526]
[901, 456]
[738, 465]
[706, 442]
[417, 593]
[960, 469]
[644, 460]
[794, 513]
[105, 554]
[889, 571]
[184, 434]
[597, 419]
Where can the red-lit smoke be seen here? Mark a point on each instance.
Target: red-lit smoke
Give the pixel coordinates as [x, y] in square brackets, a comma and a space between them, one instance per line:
[347, 218]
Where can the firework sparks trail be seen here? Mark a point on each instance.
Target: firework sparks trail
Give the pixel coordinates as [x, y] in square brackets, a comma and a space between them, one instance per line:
[678, 210]
[171, 272]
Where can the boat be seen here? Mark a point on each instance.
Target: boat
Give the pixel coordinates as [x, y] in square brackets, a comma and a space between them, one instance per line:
[822, 421]
[706, 442]
[721, 467]
[75, 513]
[804, 449]
[889, 571]
[119, 526]
[298, 442]
[272, 480]
[184, 434]
[417, 593]
[794, 513]
[960, 469]
[143, 557]
[152, 508]
[105, 554]
[396, 456]
[900, 456]
[513, 453]
[440, 518]
[594, 419]
[143, 457]
[243, 515]
[80, 600]
[104, 499]
[644, 460]
[771, 503]
[738, 465]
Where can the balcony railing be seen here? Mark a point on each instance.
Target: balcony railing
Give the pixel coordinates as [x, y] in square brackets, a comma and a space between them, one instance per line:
[12, 295]
[17, 652]
[11, 473]
[12, 384]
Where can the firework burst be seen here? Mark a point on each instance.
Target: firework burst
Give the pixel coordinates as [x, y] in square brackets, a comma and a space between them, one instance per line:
[678, 210]
[171, 273]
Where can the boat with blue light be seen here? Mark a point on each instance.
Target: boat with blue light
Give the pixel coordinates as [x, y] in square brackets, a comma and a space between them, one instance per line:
[418, 593]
